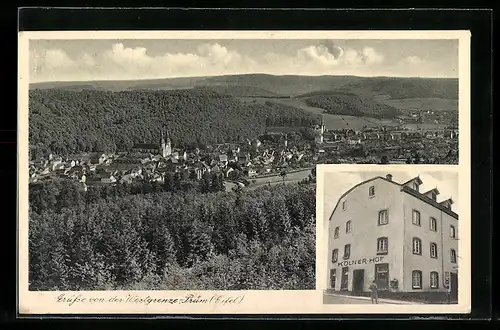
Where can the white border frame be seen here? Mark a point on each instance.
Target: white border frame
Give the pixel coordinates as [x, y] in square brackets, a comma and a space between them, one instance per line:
[250, 302]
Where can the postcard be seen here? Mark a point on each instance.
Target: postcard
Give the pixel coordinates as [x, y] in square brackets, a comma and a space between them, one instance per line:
[244, 172]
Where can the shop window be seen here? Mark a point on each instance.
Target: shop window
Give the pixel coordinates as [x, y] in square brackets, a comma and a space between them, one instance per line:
[344, 283]
[333, 278]
[382, 276]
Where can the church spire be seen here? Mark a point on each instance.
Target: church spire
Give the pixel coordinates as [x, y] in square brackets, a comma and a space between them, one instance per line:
[166, 144]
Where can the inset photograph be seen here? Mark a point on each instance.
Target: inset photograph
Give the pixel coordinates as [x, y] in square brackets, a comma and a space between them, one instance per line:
[390, 237]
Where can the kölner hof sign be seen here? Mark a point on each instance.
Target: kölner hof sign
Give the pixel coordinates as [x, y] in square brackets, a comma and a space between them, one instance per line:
[363, 261]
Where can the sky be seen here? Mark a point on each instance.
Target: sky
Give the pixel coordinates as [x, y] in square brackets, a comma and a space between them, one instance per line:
[337, 183]
[85, 60]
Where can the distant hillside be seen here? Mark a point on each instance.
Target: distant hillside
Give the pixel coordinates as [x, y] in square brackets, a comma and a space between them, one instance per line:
[65, 122]
[337, 103]
[239, 90]
[404, 88]
[282, 85]
[267, 85]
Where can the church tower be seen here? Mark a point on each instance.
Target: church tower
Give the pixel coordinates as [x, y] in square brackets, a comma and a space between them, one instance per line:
[166, 146]
[320, 130]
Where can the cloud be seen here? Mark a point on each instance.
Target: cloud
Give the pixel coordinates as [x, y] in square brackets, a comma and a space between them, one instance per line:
[412, 60]
[333, 49]
[208, 59]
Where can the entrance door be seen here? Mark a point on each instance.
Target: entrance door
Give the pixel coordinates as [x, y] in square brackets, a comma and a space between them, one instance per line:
[358, 280]
[454, 286]
[382, 276]
[344, 282]
[333, 278]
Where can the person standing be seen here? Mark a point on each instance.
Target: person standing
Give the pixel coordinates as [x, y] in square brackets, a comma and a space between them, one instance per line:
[374, 292]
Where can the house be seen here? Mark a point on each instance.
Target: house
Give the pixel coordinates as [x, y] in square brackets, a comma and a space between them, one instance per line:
[404, 240]
[243, 157]
[58, 166]
[251, 172]
[108, 179]
[215, 169]
[97, 159]
[223, 159]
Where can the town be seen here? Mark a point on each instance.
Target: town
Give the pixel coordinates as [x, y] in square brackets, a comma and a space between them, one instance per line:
[279, 153]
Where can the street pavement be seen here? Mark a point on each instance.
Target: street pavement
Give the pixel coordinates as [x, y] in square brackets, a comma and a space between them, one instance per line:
[337, 299]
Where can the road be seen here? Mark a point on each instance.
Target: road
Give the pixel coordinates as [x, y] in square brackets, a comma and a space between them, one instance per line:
[329, 299]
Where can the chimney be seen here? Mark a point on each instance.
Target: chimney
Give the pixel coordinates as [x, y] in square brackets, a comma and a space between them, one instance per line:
[389, 177]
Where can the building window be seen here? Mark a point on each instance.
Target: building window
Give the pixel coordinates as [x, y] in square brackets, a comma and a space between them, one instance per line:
[416, 279]
[382, 245]
[335, 255]
[333, 278]
[383, 217]
[434, 280]
[417, 246]
[415, 186]
[382, 276]
[433, 224]
[348, 226]
[336, 233]
[344, 282]
[453, 256]
[344, 205]
[371, 191]
[453, 234]
[434, 249]
[415, 218]
[347, 251]
[433, 196]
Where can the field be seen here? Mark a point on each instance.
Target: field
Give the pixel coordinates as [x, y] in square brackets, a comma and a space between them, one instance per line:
[332, 122]
[435, 104]
[276, 179]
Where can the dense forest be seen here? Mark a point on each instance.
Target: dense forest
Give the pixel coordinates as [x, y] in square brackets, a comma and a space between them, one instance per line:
[66, 122]
[289, 85]
[245, 239]
[337, 103]
[404, 88]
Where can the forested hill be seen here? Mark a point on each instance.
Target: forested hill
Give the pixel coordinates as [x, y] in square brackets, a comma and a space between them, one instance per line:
[287, 85]
[65, 122]
[403, 88]
[337, 103]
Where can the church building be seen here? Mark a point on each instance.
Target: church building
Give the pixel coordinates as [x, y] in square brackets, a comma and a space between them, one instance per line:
[164, 149]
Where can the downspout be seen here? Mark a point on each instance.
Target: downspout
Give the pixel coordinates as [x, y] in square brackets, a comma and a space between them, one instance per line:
[442, 246]
[404, 245]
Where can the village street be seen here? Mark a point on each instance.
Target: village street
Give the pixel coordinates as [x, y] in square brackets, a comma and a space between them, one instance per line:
[337, 299]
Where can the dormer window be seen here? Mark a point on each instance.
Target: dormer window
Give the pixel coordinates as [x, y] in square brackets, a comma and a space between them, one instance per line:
[432, 194]
[415, 186]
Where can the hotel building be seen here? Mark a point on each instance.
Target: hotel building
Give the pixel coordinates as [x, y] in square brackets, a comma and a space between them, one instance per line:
[393, 233]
